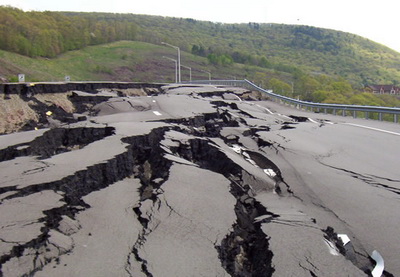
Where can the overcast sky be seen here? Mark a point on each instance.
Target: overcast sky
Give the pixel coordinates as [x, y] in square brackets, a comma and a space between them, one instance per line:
[376, 20]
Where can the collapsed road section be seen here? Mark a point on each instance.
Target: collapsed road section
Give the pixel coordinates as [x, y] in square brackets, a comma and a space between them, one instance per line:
[96, 183]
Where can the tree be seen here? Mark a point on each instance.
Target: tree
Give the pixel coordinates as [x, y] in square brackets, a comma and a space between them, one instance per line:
[280, 87]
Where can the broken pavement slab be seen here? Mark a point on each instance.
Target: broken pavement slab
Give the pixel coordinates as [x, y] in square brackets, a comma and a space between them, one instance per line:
[205, 187]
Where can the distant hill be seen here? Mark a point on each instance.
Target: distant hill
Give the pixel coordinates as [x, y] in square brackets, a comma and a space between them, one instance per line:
[275, 46]
[316, 50]
[299, 61]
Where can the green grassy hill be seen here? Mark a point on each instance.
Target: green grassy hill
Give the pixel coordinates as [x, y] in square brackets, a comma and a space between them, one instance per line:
[121, 61]
[314, 64]
[281, 48]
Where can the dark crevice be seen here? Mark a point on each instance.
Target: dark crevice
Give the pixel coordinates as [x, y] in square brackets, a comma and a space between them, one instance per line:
[265, 163]
[85, 103]
[359, 260]
[286, 126]
[309, 270]
[11, 152]
[299, 118]
[144, 160]
[368, 179]
[385, 178]
[143, 263]
[244, 251]
[56, 141]
[264, 143]
[331, 235]
[140, 149]
[207, 125]
[41, 109]
[211, 93]
[233, 106]
[152, 169]
[252, 131]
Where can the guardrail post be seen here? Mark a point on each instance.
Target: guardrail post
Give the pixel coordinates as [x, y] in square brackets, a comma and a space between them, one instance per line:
[325, 111]
[366, 115]
[334, 111]
[343, 112]
[395, 118]
[380, 116]
[355, 114]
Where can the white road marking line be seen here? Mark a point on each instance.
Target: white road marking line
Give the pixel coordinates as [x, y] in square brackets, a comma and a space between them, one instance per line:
[380, 265]
[265, 109]
[157, 113]
[238, 149]
[345, 238]
[269, 111]
[312, 120]
[270, 172]
[332, 248]
[288, 117]
[375, 129]
[237, 97]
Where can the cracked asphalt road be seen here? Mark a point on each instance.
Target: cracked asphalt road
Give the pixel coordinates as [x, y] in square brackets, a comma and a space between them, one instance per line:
[192, 181]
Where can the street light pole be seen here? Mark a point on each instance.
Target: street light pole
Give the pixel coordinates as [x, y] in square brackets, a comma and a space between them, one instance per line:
[176, 67]
[209, 74]
[179, 59]
[190, 72]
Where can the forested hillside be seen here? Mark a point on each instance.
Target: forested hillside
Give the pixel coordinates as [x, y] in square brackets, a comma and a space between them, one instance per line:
[48, 34]
[299, 61]
[281, 47]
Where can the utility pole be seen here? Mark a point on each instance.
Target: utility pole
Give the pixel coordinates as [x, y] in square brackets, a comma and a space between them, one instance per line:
[179, 59]
[176, 67]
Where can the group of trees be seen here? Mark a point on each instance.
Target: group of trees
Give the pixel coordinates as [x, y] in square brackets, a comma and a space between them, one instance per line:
[324, 89]
[47, 34]
[223, 58]
[316, 39]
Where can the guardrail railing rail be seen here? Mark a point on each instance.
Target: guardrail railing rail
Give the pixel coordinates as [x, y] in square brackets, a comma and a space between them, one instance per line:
[335, 109]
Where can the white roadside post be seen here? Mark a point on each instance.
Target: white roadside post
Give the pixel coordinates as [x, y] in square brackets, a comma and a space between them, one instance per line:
[21, 78]
[179, 59]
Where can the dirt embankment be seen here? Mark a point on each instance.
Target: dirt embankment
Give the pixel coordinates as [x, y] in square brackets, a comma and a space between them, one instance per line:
[32, 105]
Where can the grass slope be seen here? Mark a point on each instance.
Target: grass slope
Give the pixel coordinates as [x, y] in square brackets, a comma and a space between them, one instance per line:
[120, 61]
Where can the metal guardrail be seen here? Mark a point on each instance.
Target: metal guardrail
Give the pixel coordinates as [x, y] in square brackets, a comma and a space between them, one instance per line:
[315, 107]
